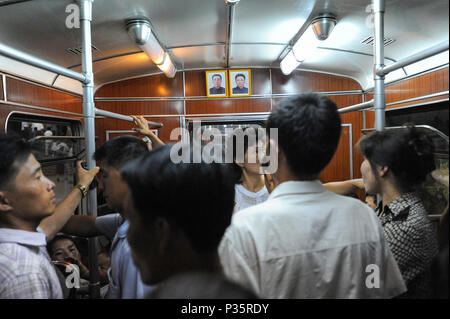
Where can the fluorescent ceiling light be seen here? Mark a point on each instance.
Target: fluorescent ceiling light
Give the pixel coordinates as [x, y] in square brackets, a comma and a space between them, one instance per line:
[167, 66]
[289, 63]
[140, 31]
[306, 45]
[153, 49]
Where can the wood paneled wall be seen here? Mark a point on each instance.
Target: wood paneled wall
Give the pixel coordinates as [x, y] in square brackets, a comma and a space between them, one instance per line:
[157, 95]
[429, 83]
[37, 96]
[1, 88]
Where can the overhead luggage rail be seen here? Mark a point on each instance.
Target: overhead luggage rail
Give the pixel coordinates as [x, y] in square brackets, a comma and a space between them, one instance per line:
[32, 60]
[124, 117]
[357, 107]
[441, 47]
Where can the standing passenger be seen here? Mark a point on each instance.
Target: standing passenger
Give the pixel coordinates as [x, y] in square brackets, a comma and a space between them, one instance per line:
[250, 187]
[395, 163]
[124, 279]
[177, 233]
[304, 241]
[28, 218]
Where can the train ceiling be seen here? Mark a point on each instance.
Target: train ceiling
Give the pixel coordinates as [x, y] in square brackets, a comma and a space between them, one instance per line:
[195, 33]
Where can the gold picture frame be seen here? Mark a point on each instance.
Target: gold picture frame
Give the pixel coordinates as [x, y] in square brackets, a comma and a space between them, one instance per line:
[216, 83]
[240, 82]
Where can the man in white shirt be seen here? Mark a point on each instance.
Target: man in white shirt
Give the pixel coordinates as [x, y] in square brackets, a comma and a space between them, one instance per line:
[304, 241]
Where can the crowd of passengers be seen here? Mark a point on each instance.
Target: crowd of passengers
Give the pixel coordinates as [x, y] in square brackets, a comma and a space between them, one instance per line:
[213, 230]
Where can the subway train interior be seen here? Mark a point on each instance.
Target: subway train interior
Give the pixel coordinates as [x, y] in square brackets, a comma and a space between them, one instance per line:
[73, 73]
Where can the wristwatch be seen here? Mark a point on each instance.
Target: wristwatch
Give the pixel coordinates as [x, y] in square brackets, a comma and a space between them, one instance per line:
[83, 189]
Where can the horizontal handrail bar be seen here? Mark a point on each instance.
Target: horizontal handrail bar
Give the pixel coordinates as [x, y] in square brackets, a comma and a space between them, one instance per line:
[32, 60]
[124, 117]
[441, 47]
[357, 107]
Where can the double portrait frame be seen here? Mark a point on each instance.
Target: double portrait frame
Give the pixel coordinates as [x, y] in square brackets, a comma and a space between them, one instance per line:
[228, 83]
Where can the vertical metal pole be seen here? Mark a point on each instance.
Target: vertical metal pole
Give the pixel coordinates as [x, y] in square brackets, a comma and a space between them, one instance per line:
[379, 94]
[89, 133]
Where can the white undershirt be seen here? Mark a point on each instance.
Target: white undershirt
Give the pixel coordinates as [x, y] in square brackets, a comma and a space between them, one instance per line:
[245, 198]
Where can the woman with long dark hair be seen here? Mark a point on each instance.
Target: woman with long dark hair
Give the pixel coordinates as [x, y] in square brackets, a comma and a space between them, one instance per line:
[395, 163]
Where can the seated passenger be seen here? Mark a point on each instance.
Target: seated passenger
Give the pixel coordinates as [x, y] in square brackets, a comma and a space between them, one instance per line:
[62, 248]
[250, 187]
[178, 214]
[28, 217]
[304, 241]
[395, 163]
[124, 279]
[104, 263]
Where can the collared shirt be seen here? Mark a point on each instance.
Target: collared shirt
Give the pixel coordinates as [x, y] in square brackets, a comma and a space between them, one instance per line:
[124, 279]
[413, 241]
[25, 268]
[245, 198]
[306, 242]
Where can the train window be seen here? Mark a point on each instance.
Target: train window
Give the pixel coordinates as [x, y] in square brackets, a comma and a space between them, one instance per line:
[53, 138]
[56, 143]
[435, 115]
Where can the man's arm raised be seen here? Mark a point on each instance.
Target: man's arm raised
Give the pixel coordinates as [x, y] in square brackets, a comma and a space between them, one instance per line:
[64, 210]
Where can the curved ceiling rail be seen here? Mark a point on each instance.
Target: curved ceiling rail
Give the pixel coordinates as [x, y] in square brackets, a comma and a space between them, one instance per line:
[380, 70]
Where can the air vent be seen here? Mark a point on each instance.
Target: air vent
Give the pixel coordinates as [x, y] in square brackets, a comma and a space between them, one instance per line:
[370, 41]
[78, 50]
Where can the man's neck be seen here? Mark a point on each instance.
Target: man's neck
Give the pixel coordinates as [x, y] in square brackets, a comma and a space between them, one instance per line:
[18, 224]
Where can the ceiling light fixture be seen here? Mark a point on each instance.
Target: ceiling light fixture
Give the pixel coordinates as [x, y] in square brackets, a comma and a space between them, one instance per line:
[140, 31]
[319, 30]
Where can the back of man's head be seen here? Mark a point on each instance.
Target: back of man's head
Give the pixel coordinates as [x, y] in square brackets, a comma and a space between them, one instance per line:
[309, 128]
[195, 198]
[120, 150]
[14, 151]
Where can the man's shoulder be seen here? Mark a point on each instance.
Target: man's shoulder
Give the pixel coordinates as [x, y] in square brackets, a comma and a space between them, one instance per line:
[18, 260]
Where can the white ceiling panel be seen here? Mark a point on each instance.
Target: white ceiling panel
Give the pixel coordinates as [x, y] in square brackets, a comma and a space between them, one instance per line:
[212, 56]
[195, 32]
[255, 55]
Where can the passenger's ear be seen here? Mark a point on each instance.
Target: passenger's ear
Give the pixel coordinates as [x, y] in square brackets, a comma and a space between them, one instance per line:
[4, 203]
[382, 172]
[163, 233]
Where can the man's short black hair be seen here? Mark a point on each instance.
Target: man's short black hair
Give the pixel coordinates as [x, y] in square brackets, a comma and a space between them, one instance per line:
[217, 74]
[14, 151]
[195, 198]
[120, 150]
[309, 127]
[239, 74]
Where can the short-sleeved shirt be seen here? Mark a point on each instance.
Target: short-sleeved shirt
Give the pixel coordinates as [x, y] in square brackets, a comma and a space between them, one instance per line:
[413, 241]
[124, 278]
[244, 198]
[306, 242]
[25, 268]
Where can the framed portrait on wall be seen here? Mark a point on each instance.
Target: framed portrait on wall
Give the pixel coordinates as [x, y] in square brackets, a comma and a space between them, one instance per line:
[216, 83]
[240, 82]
